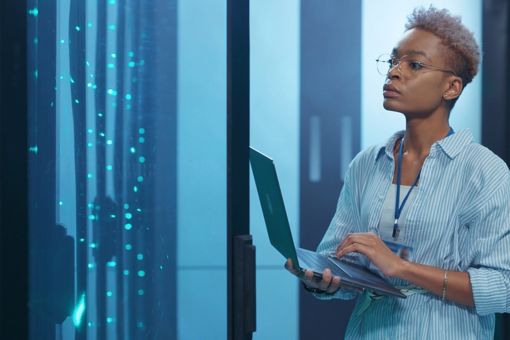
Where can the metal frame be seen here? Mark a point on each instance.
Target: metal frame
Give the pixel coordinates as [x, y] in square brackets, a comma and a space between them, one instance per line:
[240, 251]
[13, 171]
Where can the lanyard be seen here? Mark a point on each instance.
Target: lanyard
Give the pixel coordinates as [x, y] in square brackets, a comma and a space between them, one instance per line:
[399, 208]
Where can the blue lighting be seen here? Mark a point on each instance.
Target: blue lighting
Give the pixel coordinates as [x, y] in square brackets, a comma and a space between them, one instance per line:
[79, 311]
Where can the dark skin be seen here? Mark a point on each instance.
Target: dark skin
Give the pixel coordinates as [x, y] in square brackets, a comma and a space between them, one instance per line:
[423, 99]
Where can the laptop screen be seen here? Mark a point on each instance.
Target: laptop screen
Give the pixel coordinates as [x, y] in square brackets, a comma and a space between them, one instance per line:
[273, 208]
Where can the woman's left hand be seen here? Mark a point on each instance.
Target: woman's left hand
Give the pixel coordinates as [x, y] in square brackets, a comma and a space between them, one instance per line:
[375, 249]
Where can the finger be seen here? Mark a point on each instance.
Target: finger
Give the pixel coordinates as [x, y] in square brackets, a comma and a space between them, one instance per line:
[360, 238]
[335, 285]
[357, 248]
[326, 279]
[344, 242]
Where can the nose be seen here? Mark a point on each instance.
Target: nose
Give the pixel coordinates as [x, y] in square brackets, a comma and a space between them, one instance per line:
[394, 71]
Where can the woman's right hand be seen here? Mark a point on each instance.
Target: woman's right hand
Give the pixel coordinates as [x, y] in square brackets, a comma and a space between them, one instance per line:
[329, 282]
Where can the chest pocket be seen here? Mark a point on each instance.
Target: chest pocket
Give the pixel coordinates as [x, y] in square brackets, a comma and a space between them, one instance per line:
[436, 231]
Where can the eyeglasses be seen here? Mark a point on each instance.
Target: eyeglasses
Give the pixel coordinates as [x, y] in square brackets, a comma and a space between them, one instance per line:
[407, 66]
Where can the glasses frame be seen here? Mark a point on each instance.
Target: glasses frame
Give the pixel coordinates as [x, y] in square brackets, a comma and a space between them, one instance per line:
[395, 62]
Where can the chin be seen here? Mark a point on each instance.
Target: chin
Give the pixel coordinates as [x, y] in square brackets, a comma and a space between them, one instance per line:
[389, 106]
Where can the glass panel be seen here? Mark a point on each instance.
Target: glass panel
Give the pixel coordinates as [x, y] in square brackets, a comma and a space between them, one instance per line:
[127, 109]
[274, 130]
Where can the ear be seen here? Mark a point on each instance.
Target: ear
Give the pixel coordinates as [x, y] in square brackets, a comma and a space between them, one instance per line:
[453, 87]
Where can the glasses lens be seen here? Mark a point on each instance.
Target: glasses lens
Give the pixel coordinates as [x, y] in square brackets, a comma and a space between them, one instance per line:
[383, 64]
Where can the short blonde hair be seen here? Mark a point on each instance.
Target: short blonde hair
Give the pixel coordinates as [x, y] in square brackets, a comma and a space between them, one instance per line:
[463, 52]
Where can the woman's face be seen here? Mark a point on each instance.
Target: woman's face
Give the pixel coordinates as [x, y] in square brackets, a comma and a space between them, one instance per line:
[418, 92]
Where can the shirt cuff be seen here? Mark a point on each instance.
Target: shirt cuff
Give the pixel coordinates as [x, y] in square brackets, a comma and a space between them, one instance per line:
[342, 294]
[489, 291]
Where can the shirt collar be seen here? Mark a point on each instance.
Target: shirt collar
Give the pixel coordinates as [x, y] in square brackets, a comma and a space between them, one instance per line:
[451, 145]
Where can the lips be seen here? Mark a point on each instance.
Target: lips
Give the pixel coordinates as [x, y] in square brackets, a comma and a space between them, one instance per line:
[390, 91]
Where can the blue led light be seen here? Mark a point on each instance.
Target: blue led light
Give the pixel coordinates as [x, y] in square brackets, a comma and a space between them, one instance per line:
[132, 150]
[79, 311]
[128, 226]
[111, 264]
[141, 140]
[34, 12]
[33, 149]
[141, 131]
[109, 293]
[128, 96]
[125, 272]
[141, 159]
[128, 246]
[141, 273]
[139, 257]
[128, 215]
[140, 292]
[139, 179]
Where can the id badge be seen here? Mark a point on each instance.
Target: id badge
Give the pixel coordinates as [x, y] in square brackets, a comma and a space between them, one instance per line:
[400, 249]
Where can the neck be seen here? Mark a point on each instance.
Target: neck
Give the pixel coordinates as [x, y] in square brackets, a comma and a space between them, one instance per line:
[421, 134]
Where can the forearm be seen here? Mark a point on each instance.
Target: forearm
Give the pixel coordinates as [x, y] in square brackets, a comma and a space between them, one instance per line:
[432, 279]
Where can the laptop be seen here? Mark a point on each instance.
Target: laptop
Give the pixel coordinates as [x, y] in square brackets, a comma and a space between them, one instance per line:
[352, 275]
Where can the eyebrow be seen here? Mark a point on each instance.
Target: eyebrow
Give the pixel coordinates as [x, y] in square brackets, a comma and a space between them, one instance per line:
[410, 52]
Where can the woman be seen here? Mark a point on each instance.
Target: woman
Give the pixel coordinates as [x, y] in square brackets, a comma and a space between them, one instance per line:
[429, 210]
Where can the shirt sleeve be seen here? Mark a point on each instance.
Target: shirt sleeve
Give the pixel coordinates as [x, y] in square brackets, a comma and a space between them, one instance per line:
[489, 271]
[344, 221]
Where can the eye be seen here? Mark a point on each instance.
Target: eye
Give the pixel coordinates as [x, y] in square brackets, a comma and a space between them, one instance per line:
[415, 65]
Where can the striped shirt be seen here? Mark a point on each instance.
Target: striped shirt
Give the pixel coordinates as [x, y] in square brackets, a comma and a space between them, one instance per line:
[459, 220]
